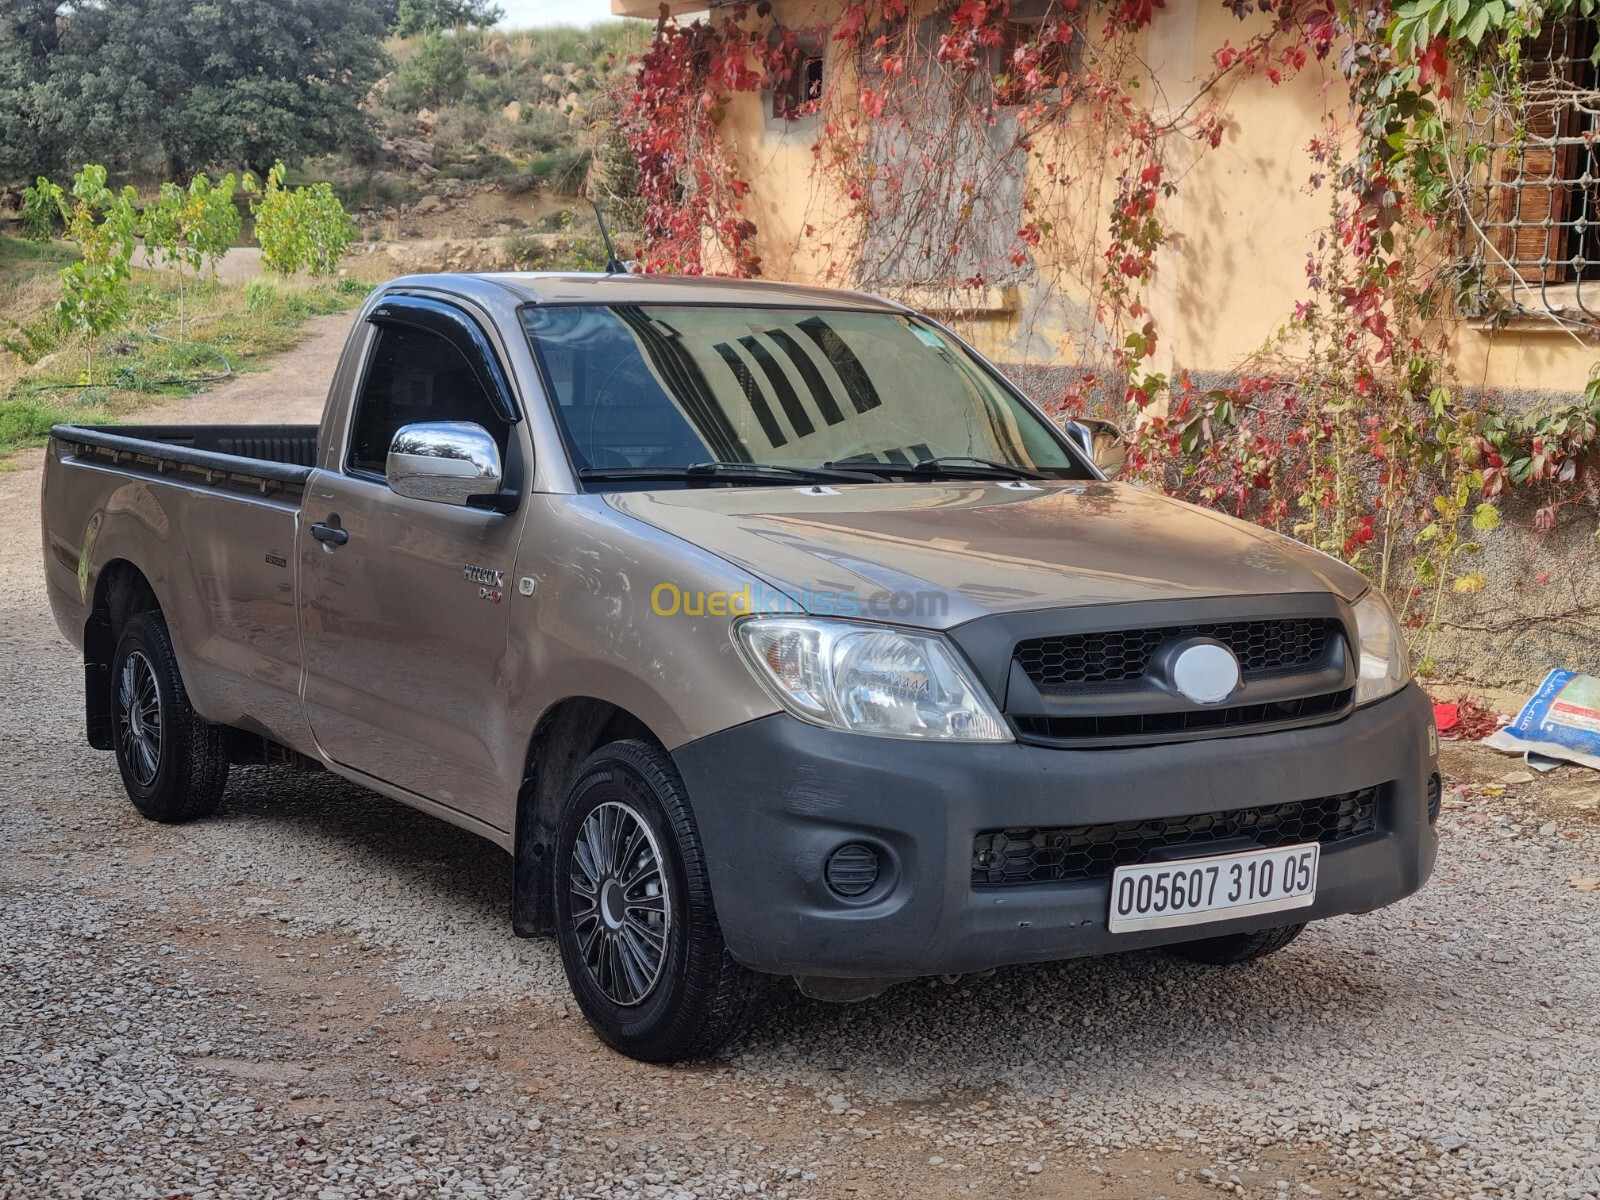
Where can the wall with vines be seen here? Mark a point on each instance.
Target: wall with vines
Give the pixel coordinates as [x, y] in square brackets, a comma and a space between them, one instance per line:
[1242, 229]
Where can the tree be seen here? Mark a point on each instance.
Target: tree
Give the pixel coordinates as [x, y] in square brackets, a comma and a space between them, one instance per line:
[94, 290]
[29, 38]
[197, 85]
[430, 16]
[187, 228]
[435, 73]
[305, 228]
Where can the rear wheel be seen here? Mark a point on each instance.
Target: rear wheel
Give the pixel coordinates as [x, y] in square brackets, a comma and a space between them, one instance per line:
[638, 934]
[174, 765]
[1234, 948]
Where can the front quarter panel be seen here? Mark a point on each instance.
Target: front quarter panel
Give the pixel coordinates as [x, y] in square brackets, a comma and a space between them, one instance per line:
[590, 628]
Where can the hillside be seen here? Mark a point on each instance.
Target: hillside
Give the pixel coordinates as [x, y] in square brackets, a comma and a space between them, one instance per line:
[486, 134]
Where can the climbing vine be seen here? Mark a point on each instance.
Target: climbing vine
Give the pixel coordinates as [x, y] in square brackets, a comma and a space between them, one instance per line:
[970, 145]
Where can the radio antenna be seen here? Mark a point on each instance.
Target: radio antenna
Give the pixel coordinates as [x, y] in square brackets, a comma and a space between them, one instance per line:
[614, 265]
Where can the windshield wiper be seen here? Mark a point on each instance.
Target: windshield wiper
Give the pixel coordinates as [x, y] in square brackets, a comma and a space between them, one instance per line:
[720, 472]
[953, 466]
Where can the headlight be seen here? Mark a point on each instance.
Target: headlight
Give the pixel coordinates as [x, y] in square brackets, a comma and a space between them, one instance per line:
[869, 679]
[1385, 666]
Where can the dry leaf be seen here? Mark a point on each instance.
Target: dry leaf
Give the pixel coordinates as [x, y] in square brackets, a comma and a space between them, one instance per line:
[1585, 883]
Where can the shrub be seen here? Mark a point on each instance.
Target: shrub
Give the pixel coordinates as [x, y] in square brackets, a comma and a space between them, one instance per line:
[194, 227]
[303, 229]
[457, 131]
[563, 170]
[436, 73]
[540, 131]
[94, 290]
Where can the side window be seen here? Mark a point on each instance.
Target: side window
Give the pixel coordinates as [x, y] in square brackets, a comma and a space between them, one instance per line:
[415, 376]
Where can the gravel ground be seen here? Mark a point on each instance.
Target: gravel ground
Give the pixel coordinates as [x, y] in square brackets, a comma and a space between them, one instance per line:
[317, 994]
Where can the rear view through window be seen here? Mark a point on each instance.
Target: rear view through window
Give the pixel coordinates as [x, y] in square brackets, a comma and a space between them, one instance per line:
[658, 386]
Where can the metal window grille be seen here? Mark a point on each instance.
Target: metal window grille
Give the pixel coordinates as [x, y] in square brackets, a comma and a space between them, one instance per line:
[1540, 180]
[799, 92]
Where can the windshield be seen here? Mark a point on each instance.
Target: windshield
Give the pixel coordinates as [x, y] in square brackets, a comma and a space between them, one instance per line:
[664, 387]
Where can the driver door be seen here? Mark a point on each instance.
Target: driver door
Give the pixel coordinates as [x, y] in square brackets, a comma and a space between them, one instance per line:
[404, 616]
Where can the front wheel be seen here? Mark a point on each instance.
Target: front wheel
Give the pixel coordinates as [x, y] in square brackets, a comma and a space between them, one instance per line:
[174, 766]
[1233, 948]
[638, 933]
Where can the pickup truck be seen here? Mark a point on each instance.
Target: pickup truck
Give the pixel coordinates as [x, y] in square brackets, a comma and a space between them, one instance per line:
[769, 629]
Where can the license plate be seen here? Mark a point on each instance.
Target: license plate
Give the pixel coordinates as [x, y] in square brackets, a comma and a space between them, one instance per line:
[1192, 891]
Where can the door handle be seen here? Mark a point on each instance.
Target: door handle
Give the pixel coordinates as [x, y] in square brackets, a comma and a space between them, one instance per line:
[331, 534]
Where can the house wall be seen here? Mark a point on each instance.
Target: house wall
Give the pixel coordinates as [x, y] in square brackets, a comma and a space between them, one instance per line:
[1241, 224]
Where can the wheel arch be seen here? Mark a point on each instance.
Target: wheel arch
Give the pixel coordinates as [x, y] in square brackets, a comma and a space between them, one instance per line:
[567, 733]
[121, 593]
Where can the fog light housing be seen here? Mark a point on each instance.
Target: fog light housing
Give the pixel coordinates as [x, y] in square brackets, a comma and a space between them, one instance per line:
[1435, 796]
[852, 870]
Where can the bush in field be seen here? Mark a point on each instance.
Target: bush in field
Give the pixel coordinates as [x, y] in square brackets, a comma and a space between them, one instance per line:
[94, 290]
[301, 229]
[436, 73]
[188, 228]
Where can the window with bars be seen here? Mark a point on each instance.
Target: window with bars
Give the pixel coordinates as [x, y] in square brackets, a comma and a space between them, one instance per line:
[797, 92]
[1543, 212]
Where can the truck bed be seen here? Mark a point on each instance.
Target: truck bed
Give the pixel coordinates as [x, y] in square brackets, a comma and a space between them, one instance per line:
[208, 515]
[280, 453]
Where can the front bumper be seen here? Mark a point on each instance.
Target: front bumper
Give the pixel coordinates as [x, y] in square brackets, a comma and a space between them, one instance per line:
[773, 798]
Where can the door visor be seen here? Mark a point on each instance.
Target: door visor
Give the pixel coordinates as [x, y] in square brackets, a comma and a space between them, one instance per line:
[462, 332]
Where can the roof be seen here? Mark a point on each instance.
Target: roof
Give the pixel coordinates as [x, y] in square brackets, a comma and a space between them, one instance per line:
[555, 287]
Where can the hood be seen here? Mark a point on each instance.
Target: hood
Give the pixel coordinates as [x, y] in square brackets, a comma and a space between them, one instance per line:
[936, 555]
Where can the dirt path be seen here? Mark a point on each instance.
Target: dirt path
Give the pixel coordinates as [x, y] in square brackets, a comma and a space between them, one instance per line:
[237, 265]
[317, 994]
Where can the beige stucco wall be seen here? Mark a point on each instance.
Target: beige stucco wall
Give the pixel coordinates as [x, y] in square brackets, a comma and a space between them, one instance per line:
[1242, 222]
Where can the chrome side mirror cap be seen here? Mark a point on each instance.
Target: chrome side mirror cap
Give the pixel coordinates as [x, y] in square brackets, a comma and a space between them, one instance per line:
[1102, 443]
[1082, 437]
[447, 462]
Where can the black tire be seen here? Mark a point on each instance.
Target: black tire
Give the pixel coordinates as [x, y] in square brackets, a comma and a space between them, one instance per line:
[174, 765]
[655, 996]
[1234, 948]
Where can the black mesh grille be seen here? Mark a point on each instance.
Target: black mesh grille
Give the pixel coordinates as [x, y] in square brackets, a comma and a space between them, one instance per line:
[1123, 654]
[1007, 857]
[1195, 721]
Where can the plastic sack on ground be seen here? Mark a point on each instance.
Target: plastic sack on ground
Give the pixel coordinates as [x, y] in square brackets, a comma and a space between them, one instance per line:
[1560, 720]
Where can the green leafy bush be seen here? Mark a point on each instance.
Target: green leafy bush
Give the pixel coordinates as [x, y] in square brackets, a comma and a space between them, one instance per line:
[301, 229]
[435, 74]
[187, 229]
[563, 170]
[94, 290]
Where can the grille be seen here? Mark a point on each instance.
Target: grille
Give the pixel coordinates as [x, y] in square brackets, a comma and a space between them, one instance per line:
[1195, 721]
[1124, 654]
[1008, 857]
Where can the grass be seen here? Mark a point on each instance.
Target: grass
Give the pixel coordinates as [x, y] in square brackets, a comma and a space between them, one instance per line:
[43, 367]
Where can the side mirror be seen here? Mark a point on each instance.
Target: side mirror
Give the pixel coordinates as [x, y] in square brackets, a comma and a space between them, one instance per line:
[1082, 437]
[448, 462]
[1101, 442]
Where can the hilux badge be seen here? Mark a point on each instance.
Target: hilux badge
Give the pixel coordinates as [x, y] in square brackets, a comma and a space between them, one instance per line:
[484, 576]
[1206, 673]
